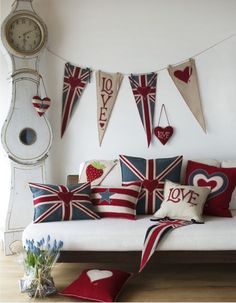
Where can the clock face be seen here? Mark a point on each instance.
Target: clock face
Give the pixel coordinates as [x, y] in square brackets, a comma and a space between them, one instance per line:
[24, 34]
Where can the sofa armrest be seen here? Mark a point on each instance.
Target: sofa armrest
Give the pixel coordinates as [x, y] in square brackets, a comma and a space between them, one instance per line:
[72, 179]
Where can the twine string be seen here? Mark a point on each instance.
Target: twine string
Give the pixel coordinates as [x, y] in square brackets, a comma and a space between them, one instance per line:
[163, 108]
[164, 67]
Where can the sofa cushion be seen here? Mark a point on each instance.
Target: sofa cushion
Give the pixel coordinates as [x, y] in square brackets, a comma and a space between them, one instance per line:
[94, 171]
[152, 173]
[212, 162]
[62, 203]
[222, 182]
[182, 202]
[97, 285]
[227, 164]
[116, 202]
[114, 177]
[109, 234]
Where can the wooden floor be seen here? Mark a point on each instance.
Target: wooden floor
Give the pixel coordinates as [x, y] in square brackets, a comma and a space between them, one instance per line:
[163, 282]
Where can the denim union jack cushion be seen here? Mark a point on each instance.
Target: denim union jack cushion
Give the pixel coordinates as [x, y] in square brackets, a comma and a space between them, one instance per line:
[62, 203]
[152, 173]
[116, 202]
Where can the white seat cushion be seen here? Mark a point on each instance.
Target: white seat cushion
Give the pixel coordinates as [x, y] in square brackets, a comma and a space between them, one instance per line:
[110, 234]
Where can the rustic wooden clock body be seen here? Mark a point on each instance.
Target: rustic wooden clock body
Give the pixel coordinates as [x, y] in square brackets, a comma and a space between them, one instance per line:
[26, 136]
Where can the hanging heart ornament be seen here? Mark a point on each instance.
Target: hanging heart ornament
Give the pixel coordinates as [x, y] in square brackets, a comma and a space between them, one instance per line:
[41, 105]
[163, 134]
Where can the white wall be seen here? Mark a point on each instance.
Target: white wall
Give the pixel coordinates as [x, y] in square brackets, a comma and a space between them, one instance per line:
[139, 36]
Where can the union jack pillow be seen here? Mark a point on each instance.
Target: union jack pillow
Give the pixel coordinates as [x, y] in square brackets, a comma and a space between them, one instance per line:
[62, 203]
[152, 173]
[116, 202]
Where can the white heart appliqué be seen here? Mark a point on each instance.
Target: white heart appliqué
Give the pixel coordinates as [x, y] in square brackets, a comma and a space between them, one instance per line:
[96, 274]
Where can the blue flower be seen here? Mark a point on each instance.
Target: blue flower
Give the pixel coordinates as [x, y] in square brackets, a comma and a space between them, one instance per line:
[60, 244]
[55, 244]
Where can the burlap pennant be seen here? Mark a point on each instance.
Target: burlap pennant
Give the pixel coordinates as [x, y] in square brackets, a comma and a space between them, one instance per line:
[185, 78]
[108, 86]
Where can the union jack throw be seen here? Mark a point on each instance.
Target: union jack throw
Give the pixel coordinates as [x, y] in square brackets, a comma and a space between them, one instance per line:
[116, 202]
[62, 203]
[144, 90]
[75, 81]
[154, 234]
[152, 173]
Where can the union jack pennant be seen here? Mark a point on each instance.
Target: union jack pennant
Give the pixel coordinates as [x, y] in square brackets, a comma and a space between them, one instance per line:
[75, 81]
[154, 235]
[144, 90]
[152, 173]
[62, 203]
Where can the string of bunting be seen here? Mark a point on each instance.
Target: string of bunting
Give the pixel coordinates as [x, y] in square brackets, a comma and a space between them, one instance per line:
[164, 67]
[183, 74]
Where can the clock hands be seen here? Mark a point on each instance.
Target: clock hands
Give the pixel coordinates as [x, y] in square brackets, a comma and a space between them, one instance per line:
[28, 32]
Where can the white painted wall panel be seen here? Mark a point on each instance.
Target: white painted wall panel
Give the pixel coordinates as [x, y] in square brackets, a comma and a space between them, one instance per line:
[137, 36]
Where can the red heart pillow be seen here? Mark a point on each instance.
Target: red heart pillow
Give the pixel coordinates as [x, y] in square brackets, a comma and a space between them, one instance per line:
[221, 181]
[97, 285]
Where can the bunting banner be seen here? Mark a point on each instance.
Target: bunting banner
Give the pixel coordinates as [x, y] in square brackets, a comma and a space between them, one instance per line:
[75, 81]
[185, 78]
[155, 233]
[108, 86]
[144, 90]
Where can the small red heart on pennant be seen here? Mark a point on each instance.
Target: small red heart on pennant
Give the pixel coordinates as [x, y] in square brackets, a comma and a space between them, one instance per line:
[102, 125]
[65, 197]
[150, 185]
[184, 75]
[41, 105]
[163, 134]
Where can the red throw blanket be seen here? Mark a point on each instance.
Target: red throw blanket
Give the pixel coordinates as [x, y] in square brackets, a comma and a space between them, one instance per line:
[154, 235]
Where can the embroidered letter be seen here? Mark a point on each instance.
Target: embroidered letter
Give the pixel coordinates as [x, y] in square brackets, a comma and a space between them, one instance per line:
[174, 195]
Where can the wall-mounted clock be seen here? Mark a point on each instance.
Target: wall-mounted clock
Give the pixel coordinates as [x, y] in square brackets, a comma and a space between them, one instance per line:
[26, 136]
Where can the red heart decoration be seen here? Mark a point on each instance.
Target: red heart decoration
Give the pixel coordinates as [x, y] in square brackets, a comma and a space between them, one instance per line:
[144, 90]
[150, 185]
[41, 105]
[102, 125]
[212, 184]
[65, 197]
[184, 75]
[163, 134]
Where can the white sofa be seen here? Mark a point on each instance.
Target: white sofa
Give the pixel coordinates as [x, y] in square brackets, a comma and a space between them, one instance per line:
[120, 235]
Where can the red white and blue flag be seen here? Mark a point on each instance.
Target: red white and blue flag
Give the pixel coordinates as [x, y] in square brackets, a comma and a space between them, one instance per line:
[144, 90]
[62, 203]
[152, 173]
[75, 81]
[116, 202]
[154, 235]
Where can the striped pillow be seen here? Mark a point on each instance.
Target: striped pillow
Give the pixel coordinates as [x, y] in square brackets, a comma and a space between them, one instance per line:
[116, 202]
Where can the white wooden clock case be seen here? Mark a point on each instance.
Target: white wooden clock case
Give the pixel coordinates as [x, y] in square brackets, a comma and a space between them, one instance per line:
[26, 136]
